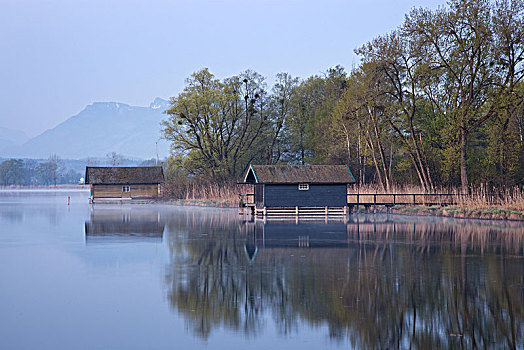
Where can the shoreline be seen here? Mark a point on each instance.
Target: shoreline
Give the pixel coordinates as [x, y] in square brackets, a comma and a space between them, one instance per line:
[491, 213]
[457, 212]
[453, 211]
[50, 187]
[212, 203]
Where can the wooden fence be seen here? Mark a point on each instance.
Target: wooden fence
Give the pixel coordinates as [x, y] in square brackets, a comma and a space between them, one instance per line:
[392, 199]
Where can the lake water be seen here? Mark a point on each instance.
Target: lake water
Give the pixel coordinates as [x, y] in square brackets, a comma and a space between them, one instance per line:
[164, 277]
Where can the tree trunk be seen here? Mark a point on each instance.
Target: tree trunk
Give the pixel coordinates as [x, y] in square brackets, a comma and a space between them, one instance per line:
[380, 148]
[359, 156]
[419, 174]
[375, 162]
[463, 173]
[409, 149]
[427, 182]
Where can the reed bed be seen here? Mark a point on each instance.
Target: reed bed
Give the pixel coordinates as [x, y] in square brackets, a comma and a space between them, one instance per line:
[481, 197]
[481, 202]
[198, 193]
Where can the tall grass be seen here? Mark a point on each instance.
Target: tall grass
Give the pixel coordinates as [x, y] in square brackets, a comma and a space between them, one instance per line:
[478, 197]
[194, 191]
[481, 197]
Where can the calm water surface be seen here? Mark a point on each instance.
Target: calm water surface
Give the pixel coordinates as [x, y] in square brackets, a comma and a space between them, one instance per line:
[159, 277]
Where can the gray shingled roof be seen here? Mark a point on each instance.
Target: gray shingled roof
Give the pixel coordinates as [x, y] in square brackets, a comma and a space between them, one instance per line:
[124, 175]
[299, 174]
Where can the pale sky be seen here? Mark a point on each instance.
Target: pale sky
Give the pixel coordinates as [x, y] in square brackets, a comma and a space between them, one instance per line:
[57, 56]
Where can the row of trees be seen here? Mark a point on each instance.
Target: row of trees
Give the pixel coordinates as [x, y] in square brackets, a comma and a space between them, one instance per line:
[436, 102]
[30, 172]
[53, 171]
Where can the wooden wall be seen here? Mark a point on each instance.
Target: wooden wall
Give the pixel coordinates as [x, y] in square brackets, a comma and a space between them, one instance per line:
[318, 195]
[115, 191]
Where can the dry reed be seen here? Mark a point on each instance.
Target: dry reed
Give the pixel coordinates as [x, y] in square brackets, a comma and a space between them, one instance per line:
[481, 199]
[226, 195]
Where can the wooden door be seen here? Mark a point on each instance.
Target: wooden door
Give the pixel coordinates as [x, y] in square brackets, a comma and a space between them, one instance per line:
[259, 195]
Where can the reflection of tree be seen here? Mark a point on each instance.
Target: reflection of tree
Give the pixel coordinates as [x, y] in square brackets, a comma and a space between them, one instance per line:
[209, 279]
[441, 284]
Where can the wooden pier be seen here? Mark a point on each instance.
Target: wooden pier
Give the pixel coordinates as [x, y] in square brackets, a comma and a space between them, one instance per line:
[302, 212]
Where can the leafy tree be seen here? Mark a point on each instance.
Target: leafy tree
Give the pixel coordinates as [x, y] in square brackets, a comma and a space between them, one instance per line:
[280, 109]
[218, 126]
[306, 99]
[114, 158]
[55, 167]
[46, 173]
[70, 177]
[398, 64]
[365, 106]
[456, 48]
[12, 172]
[90, 161]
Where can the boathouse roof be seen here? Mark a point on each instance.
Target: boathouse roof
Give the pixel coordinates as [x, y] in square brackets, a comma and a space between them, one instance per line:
[288, 174]
[124, 175]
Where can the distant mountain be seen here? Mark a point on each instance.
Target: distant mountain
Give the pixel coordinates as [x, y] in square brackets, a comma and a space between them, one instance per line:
[101, 128]
[11, 138]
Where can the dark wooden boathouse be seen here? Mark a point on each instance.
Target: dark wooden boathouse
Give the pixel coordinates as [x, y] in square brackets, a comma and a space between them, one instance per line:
[301, 190]
[124, 183]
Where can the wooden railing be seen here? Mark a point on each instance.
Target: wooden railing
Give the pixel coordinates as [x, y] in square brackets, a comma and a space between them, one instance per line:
[392, 199]
[244, 199]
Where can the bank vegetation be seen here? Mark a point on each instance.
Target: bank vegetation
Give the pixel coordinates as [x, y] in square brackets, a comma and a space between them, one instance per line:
[434, 105]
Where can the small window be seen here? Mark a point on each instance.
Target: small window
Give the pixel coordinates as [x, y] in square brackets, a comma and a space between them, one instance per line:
[125, 188]
[303, 187]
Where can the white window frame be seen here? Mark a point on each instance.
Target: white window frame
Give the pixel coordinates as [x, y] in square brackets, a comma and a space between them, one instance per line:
[303, 187]
[126, 188]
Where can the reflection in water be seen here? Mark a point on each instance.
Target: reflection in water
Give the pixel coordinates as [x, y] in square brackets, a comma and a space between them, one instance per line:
[389, 282]
[21, 206]
[124, 222]
[11, 215]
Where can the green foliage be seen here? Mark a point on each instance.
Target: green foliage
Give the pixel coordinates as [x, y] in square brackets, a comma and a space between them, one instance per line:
[218, 126]
[22, 173]
[12, 172]
[439, 102]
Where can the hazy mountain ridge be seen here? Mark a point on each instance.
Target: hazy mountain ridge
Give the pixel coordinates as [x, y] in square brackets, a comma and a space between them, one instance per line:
[11, 138]
[101, 128]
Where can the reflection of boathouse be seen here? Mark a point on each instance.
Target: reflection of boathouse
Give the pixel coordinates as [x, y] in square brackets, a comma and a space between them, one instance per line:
[109, 184]
[298, 190]
[310, 235]
[124, 223]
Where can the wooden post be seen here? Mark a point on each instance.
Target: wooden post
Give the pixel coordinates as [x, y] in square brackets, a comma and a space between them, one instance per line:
[265, 212]
[374, 203]
[414, 201]
[296, 211]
